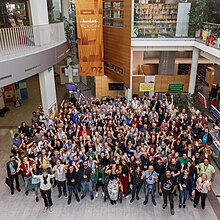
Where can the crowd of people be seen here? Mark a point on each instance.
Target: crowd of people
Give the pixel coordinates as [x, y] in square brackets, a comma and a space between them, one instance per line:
[116, 147]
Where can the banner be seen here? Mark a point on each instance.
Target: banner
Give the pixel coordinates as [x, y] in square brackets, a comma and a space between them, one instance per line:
[89, 19]
[215, 113]
[146, 87]
[202, 99]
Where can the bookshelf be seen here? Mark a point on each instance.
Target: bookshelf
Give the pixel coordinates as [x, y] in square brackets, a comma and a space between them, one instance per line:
[113, 13]
[155, 18]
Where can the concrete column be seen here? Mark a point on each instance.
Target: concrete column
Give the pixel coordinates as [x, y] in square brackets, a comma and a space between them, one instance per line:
[167, 63]
[193, 72]
[39, 13]
[65, 8]
[48, 91]
[128, 92]
[40, 21]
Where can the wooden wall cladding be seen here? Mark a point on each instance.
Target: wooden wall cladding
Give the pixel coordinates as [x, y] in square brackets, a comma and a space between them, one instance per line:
[136, 85]
[102, 87]
[117, 46]
[162, 82]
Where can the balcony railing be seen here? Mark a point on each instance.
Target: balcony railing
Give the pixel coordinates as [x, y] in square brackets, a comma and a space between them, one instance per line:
[17, 39]
[160, 29]
[209, 34]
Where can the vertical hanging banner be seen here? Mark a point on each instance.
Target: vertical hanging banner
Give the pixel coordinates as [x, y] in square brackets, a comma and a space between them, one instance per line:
[90, 37]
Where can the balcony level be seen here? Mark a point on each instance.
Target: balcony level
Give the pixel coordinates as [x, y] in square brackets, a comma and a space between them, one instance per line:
[28, 50]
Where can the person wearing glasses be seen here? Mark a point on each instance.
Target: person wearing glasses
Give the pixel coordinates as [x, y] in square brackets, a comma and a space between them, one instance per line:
[203, 186]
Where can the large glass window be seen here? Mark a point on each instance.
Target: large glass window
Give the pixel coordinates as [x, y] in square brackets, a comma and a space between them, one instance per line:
[13, 13]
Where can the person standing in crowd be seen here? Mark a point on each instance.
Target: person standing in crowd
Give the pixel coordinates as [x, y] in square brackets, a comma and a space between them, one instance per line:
[186, 185]
[136, 183]
[72, 178]
[45, 188]
[35, 181]
[208, 169]
[124, 178]
[12, 173]
[25, 168]
[86, 180]
[99, 179]
[150, 177]
[203, 186]
[168, 185]
[60, 178]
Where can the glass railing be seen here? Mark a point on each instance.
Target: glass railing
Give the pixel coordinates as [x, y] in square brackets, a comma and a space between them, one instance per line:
[209, 34]
[160, 29]
[17, 39]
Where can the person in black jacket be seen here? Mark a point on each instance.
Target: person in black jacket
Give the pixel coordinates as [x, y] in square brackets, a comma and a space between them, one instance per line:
[12, 174]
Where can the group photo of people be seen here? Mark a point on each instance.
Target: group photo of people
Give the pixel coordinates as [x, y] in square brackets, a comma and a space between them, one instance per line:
[114, 149]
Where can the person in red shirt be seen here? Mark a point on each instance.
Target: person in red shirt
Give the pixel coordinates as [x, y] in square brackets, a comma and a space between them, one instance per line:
[25, 167]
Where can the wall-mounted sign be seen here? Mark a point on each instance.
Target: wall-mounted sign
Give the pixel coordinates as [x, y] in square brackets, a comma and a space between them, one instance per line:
[218, 42]
[175, 87]
[146, 87]
[89, 17]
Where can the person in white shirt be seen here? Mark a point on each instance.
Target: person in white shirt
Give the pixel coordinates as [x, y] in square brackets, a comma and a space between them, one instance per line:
[203, 186]
[45, 188]
[60, 177]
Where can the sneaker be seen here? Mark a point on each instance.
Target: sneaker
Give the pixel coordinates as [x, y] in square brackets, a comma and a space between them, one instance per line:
[97, 194]
[103, 194]
[65, 194]
[132, 200]
[145, 202]
[54, 185]
[194, 205]
[164, 205]
[203, 207]
[50, 209]
[126, 197]
[137, 197]
[160, 193]
[45, 209]
[154, 203]
[92, 197]
[180, 205]
[184, 206]
[59, 195]
[69, 201]
[37, 199]
[19, 190]
[172, 211]
[77, 199]
[12, 192]
[83, 196]
[26, 193]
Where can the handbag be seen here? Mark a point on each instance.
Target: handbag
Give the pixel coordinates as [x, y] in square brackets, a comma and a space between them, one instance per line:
[8, 182]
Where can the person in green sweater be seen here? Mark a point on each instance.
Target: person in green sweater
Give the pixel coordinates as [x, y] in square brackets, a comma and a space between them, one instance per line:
[183, 160]
[99, 179]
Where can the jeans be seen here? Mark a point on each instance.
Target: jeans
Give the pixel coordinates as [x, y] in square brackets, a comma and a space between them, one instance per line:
[89, 184]
[27, 182]
[46, 195]
[197, 197]
[170, 195]
[149, 189]
[61, 184]
[36, 188]
[12, 178]
[135, 190]
[182, 196]
[71, 190]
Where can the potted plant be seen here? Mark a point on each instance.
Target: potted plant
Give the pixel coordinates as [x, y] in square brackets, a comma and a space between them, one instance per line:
[201, 11]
